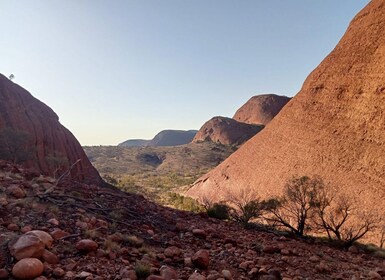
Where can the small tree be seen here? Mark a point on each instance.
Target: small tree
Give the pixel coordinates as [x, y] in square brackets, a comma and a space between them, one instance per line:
[245, 205]
[295, 207]
[11, 77]
[338, 215]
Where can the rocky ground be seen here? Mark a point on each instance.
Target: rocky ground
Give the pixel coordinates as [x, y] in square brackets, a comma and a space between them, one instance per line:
[77, 231]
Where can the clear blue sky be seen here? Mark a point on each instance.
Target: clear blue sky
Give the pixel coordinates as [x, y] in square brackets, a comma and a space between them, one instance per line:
[115, 70]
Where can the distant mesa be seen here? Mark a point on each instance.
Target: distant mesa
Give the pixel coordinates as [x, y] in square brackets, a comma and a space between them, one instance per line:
[163, 138]
[333, 128]
[261, 109]
[135, 143]
[247, 121]
[226, 131]
[31, 134]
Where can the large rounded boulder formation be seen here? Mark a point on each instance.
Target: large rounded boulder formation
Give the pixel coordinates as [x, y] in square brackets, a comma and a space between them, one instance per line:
[31, 134]
[167, 137]
[334, 127]
[261, 109]
[226, 131]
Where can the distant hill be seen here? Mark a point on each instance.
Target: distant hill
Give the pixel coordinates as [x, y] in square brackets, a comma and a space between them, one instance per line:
[226, 131]
[333, 128]
[261, 109]
[250, 119]
[163, 138]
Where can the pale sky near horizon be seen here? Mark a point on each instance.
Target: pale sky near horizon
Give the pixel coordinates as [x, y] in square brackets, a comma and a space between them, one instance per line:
[124, 69]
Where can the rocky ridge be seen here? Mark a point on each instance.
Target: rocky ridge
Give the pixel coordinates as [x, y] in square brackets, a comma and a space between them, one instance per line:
[226, 131]
[261, 109]
[167, 137]
[332, 128]
[48, 140]
[79, 231]
[249, 120]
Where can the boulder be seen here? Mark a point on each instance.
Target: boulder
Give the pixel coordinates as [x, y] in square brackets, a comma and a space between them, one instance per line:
[27, 268]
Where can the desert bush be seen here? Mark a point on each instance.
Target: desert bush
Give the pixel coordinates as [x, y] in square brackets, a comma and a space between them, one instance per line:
[244, 205]
[133, 240]
[142, 270]
[110, 246]
[184, 203]
[14, 145]
[294, 209]
[341, 218]
[219, 211]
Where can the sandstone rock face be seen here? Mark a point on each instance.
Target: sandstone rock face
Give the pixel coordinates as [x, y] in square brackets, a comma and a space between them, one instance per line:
[226, 131]
[20, 111]
[334, 127]
[261, 109]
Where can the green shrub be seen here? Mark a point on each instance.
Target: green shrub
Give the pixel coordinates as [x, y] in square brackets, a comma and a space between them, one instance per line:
[184, 203]
[142, 270]
[218, 211]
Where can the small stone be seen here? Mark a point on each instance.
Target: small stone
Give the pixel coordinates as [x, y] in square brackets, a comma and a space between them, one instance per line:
[314, 259]
[58, 272]
[285, 252]
[172, 251]
[50, 257]
[16, 191]
[246, 264]
[28, 268]
[53, 222]
[13, 227]
[196, 276]
[26, 229]
[227, 274]
[269, 249]
[83, 274]
[87, 245]
[82, 225]
[322, 267]
[374, 275]
[126, 273]
[201, 259]
[188, 262]
[3, 201]
[58, 233]
[168, 273]
[199, 233]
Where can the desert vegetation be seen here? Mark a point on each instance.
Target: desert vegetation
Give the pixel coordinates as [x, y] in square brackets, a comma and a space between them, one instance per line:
[158, 173]
[307, 206]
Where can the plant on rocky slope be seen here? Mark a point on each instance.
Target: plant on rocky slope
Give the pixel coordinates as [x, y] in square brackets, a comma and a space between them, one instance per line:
[294, 209]
[338, 215]
[246, 206]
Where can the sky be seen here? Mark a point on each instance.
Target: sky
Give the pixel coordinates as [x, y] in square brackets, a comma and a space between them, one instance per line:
[126, 69]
